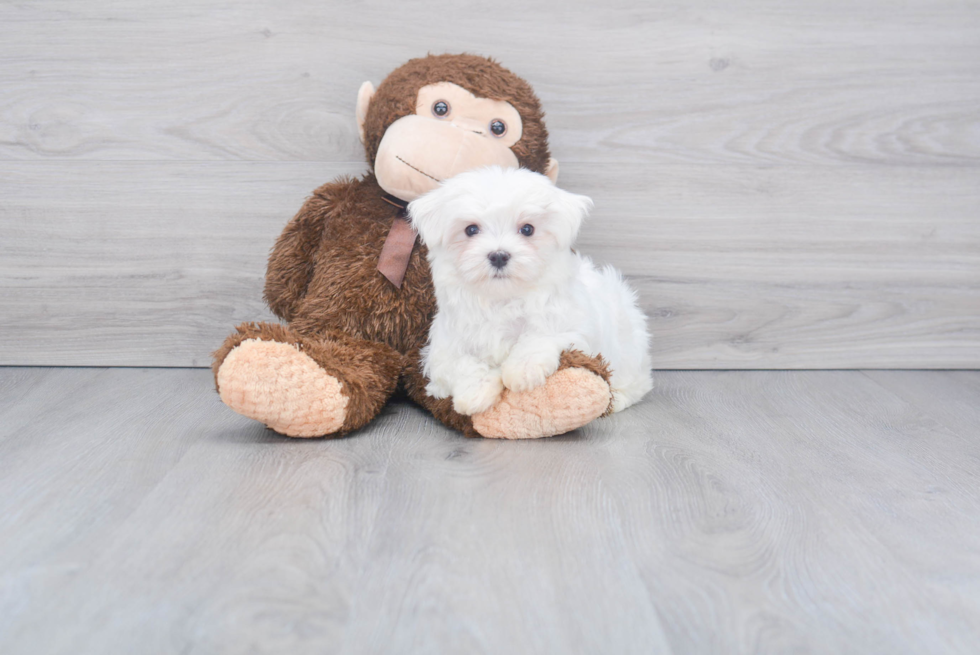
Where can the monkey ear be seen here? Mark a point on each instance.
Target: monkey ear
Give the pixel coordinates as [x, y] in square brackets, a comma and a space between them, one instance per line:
[364, 95]
[551, 170]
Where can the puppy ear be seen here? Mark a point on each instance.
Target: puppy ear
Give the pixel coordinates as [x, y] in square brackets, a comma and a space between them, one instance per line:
[573, 209]
[424, 213]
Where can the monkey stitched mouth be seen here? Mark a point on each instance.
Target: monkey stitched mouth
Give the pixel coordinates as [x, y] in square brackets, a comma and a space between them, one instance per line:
[418, 170]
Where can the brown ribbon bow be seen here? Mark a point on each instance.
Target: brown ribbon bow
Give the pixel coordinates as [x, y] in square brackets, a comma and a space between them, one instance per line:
[397, 249]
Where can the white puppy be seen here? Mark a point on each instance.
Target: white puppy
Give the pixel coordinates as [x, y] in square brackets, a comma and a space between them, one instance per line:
[512, 295]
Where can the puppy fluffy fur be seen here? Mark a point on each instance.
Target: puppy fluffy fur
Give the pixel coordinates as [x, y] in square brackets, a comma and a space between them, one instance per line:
[511, 294]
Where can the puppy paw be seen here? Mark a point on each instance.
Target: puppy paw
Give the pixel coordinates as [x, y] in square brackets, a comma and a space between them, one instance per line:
[479, 395]
[528, 373]
[438, 389]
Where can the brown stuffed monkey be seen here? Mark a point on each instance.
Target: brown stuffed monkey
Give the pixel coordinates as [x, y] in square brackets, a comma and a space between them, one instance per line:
[354, 286]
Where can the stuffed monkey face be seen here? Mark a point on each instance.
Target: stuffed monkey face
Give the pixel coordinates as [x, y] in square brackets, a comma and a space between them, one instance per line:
[451, 131]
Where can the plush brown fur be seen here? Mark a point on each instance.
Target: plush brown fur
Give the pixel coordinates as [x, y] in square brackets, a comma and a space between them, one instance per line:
[322, 275]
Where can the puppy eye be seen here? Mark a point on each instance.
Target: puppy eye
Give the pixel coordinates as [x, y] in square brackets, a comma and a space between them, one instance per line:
[498, 127]
[527, 230]
[472, 230]
[440, 108]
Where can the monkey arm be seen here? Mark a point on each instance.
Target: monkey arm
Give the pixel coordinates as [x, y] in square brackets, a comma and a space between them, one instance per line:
[291, 262]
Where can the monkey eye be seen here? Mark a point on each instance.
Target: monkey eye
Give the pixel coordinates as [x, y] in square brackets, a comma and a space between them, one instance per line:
[440, 108]
[498, 127]
[527, 230]
[472, 230]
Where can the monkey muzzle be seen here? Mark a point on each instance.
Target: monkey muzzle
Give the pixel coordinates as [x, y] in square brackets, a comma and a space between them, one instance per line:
[416, 153]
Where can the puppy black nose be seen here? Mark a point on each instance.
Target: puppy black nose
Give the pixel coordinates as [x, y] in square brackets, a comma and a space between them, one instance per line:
[499, 259]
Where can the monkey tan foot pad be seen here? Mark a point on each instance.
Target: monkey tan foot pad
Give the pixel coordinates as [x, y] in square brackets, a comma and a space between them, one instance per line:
[280, 385]
[569, 399]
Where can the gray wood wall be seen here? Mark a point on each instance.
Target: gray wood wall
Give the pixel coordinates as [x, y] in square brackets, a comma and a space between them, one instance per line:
[789, 184]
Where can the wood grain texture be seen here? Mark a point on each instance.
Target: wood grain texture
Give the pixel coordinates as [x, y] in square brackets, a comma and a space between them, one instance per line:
[729, 512]
[789, 185]
[153, 263]
[700, 82]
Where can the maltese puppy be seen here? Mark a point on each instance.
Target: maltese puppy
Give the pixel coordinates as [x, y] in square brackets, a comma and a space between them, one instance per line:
[512, 294]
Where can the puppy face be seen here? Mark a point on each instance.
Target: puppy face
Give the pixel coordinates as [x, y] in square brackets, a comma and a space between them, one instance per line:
[498, 230]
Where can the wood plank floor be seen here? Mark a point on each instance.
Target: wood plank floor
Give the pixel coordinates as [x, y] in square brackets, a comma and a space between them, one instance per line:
[803, 511]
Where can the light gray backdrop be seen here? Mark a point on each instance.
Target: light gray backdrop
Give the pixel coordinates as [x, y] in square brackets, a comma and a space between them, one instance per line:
[788, 184]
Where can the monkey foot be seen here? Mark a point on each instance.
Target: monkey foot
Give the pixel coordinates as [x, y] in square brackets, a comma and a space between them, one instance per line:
[283, 387]
[569, 399]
